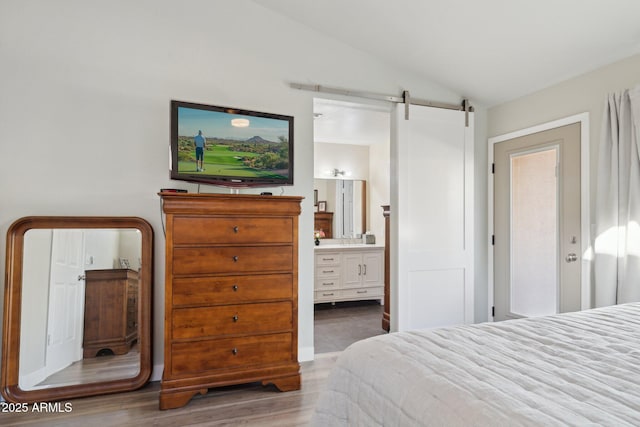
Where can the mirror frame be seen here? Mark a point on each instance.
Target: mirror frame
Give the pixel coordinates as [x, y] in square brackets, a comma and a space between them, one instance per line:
[11, 390]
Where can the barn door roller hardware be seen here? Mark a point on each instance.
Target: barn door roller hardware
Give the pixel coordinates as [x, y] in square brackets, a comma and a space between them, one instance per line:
[404, 99]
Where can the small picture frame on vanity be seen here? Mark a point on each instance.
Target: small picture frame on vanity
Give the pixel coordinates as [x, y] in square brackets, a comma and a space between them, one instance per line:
[322, 206]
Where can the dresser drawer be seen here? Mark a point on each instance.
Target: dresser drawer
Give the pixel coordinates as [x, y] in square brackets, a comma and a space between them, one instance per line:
[328, 258]
[207, 260]
[190, 358]
[214, 230]
[201, 322]
[231, 289]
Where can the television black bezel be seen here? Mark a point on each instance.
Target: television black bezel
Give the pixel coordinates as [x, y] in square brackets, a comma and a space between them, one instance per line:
[223, 180]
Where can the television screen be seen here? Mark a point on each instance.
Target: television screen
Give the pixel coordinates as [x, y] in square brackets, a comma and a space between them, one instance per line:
[230, 147]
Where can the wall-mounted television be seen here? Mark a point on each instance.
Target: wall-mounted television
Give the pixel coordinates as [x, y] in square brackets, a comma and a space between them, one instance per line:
[230, 147]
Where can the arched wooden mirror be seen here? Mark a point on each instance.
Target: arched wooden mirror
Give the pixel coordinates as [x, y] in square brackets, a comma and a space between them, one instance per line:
[77, 307]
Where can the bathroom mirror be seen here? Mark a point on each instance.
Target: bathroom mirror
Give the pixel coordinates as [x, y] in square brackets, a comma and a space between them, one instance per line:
[346, 202]
[77, 307]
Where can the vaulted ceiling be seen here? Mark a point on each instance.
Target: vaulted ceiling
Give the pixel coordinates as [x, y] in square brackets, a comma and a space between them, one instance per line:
[490, 51]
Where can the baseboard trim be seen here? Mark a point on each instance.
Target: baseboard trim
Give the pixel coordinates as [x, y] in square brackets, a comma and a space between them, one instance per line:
[156, 374]
[306, 354]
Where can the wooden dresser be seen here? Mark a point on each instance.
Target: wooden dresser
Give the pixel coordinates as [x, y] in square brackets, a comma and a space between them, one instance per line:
[324, 221]
[111, 311]
[231, 293]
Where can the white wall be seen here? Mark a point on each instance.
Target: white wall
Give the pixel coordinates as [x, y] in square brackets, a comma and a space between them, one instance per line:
[85, 98]
[130, 247]
[378, 187]
[101, 248]
[585, 93]
[350, 158]
[36, 273]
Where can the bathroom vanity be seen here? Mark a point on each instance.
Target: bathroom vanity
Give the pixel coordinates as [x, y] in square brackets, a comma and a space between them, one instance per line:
[348, 272]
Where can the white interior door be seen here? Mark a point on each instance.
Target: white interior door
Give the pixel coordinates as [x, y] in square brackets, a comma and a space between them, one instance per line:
[66, 300]
[432, 221]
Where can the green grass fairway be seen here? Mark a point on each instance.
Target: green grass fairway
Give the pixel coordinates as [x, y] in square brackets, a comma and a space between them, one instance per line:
[222, 161]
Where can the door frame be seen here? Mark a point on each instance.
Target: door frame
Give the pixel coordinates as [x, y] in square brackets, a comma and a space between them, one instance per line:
[585, 205]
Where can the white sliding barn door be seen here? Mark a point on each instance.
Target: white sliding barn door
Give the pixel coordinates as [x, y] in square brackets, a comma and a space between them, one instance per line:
[432, 218]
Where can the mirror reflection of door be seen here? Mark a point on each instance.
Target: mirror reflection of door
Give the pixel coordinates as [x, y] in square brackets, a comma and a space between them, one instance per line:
[53, 311]
[351, 206]
[347, 203]
[66, 300]
[344, 202]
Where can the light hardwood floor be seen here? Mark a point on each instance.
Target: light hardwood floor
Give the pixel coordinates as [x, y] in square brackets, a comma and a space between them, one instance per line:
[248, 405]
[336, 327]
[95, 369]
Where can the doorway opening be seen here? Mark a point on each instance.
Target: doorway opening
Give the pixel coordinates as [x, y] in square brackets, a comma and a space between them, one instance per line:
[351, 183]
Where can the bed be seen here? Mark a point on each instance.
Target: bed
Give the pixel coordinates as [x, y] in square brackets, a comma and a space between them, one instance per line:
[578, 368]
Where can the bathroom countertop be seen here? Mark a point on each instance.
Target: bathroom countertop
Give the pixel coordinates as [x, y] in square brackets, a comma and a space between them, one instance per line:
[346, 246]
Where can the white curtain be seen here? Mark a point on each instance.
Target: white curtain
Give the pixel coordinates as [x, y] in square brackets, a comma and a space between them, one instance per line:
[617, 241]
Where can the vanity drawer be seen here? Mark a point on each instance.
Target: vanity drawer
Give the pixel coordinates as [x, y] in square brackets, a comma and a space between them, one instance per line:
[327, 295]
[327, 271]
[231, 289]
[199, 357]
[364, 293]
[211, 260]
[328, 258]
[214, 230]
[327, 284]
[200, 322]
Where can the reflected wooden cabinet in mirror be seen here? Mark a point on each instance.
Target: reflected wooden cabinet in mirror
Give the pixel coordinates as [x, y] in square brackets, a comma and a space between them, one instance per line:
[76, 323]
[231, 293]
[111, 305]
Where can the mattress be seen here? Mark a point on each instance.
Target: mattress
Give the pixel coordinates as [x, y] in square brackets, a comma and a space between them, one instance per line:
[579, 368]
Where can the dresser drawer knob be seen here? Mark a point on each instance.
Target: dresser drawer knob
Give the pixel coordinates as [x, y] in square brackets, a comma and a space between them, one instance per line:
[234, 351]
[235, 318]
[236, 229]
[235, 258]
[235, 288]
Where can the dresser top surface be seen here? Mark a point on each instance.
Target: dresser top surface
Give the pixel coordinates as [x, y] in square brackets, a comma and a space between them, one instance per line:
[230, 204]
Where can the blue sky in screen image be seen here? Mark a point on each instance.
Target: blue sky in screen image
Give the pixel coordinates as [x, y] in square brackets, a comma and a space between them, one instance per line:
[215, 124]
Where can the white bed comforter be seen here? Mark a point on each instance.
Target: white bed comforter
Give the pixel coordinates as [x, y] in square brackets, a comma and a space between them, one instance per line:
[571, 369]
